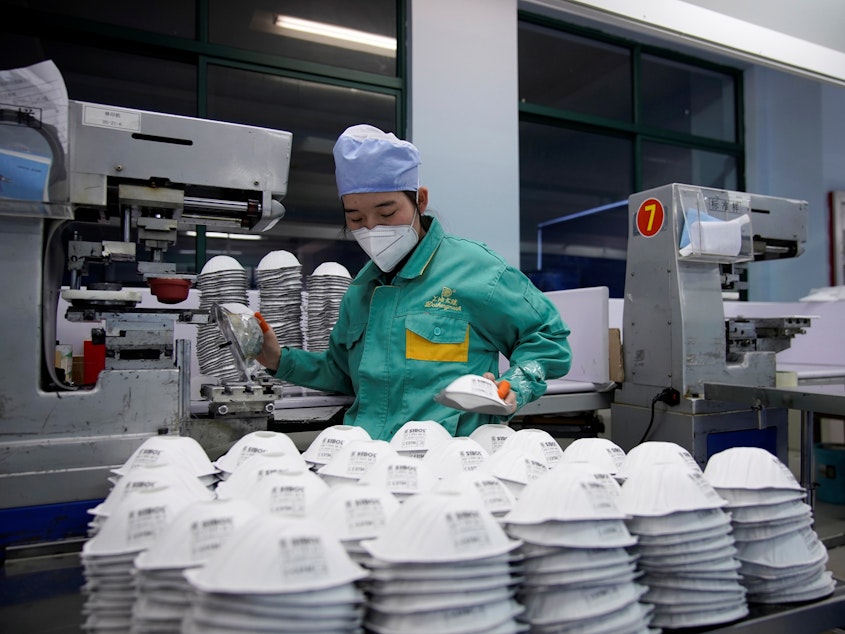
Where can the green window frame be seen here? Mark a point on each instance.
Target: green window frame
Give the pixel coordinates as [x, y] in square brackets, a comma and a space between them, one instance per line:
[643, 136]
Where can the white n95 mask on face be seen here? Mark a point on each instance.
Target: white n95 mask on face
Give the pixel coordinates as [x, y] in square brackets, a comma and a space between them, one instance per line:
[387, 244]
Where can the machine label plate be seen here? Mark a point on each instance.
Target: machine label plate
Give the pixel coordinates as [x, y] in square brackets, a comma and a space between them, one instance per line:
[111, 118]
[650, 217]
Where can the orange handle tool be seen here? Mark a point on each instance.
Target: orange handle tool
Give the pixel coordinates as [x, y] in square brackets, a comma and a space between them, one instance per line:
[504, 388]
[262, 322]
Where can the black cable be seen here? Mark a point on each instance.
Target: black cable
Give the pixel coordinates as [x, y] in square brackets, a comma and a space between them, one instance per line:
[670, 396]
[650, 422]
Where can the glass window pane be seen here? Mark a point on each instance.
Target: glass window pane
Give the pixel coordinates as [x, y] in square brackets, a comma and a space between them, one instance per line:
[174, 17]
[564, 173]
[664, 164]
[569, 72]
[684, 98]
[354, 34]
[111, 77]
[316, 114]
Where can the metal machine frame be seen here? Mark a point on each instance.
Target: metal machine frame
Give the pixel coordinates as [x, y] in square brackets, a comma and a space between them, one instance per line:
[152, 173]
[675, 334]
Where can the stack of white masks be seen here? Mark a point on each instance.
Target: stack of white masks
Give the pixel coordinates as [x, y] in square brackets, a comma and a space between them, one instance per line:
[516, 466]
[455, 456]
[416, 437]
[222, 280]
[536, 442]
[355, 512]
[329, 441]
[253, 444]
[276, 575]
[494, 493]
[279, 280]
[167, 453]
[492, 436]
[524, 456]
[162, 594]
[684, 545]
[600, 452]
[281, 492]
[578, 576]
[248, 474]
[401, 475]
[107, 558]
[181, 451]
[325, 289]
[442, 564]
[782, 559]
[354, 460]
[651, 452]
[143, 478]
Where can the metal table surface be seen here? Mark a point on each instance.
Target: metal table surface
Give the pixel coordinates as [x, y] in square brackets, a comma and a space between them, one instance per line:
[572, 402]
[827, 399]
[801, 618]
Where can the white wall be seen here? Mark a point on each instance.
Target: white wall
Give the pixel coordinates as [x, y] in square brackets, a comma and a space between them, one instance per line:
[818, 21]
[464, 116]
[802, 37]
[796, 149]
[833, 137]
[784, 143]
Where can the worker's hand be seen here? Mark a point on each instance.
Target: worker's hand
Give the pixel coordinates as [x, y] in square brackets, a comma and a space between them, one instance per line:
[505, 391]
[271, 352]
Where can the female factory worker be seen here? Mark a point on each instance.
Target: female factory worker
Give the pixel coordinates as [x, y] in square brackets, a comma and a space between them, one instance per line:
[428, 308]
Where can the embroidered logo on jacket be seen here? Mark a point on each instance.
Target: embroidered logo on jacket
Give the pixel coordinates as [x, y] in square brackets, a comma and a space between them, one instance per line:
[444, 301]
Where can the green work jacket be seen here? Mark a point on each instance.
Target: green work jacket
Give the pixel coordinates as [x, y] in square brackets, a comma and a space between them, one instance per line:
[449, 311]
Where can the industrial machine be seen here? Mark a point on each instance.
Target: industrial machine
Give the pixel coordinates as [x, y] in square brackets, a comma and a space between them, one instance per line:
[685, 246]
[150, 174]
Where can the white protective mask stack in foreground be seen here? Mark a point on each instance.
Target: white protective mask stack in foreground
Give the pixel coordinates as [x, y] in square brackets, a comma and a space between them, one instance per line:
[416, 437]
[524, 456]
[254, 444]
[329, 441]
[442, 564]
[404, 477]
[492, 436]
[782, 559]
[455, 456]
[277, 574]
[108, 557]
[602, 453]
[578, 575]
[162, 594]
[412, 545]
[684, 545]
[356, 512]
[144, 478]
[354, 460]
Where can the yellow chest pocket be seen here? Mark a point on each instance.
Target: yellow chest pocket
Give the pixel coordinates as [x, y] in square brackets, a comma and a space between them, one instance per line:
[432, 338]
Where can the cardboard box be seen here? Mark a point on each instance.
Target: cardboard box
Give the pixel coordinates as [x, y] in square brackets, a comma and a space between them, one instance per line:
[617, 370]
[78, 371]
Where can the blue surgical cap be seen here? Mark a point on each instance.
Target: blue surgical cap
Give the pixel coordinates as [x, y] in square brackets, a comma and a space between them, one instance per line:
[369, 160]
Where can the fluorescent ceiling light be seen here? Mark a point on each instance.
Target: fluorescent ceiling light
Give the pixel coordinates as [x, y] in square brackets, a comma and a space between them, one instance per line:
[332, 35]
[225, 236]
